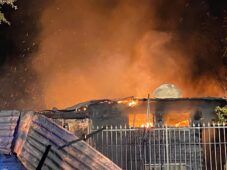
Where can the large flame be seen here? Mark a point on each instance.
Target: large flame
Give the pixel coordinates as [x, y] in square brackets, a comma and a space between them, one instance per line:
[177, 119]
[169, 119]
[140, 120]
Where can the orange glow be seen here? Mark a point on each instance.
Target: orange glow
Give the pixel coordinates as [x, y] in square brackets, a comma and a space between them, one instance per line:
[170, 119]
[130, 56]
[139, 120]
[176, 119]
[147, 125]
[132, 103]
[182, 123]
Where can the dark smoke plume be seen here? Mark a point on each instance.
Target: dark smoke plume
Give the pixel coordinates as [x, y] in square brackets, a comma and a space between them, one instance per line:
[199, 32]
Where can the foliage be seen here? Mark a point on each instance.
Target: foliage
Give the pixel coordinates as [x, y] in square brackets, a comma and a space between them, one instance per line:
[8, 2]
[221, 113]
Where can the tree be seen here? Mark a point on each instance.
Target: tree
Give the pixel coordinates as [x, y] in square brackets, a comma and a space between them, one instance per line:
[222, 114]
[8, 2]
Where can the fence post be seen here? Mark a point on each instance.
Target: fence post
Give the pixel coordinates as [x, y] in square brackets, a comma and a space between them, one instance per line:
[167, 147]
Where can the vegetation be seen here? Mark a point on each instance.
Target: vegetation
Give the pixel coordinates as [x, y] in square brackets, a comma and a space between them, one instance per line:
[222, 114]
[8, 2]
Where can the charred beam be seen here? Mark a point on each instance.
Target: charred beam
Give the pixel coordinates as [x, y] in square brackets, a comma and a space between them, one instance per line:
[66, 115]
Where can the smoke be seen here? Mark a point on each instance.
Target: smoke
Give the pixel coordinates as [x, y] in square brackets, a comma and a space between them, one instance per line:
[109, 49]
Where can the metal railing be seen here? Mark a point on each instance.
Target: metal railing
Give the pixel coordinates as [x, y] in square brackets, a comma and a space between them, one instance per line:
[164, 148]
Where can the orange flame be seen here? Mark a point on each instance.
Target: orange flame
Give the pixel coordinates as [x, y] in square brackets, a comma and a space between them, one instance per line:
[182, 123]
[176, 119]
[147, 125]
[170, 119]
[140, 120]
[132, 103]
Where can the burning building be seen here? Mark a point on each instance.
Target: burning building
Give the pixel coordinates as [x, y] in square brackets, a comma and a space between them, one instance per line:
[55, 58]
[176, 134]
[134, 111]
[57, 53]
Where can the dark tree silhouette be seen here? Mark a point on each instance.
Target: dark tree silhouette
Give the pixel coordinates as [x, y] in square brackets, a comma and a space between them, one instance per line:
[9, 2]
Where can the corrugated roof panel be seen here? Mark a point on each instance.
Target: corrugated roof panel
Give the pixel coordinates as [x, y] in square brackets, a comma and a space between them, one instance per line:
[8, 123]
[43, 132]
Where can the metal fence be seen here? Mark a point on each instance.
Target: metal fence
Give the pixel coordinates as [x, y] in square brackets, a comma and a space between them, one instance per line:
[164, 148]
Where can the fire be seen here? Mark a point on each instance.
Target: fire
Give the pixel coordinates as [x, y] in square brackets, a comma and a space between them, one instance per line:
[132, 103]
[176, 119]
[169, 119]
[140, 120]
[147, 125]
[182, 123]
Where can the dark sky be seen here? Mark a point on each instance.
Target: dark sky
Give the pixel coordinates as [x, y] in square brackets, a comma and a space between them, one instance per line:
[18, 42]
